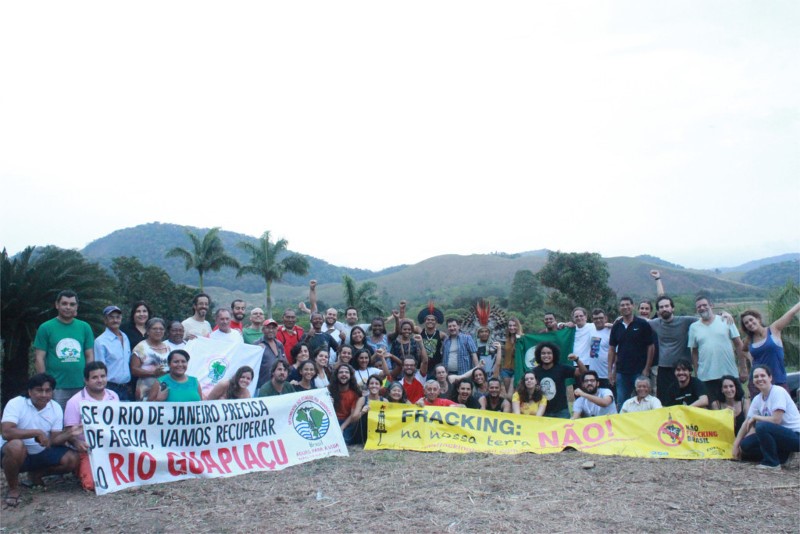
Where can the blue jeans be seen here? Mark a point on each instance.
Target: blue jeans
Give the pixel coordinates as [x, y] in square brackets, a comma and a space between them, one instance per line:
[348, 432]
[771, 444]
[626, 385]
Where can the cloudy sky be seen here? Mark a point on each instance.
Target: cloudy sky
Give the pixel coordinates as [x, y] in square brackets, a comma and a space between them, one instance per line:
[370, 133]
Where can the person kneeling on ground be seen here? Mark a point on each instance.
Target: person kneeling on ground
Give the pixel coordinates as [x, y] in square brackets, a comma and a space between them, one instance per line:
[33, 438]
[95, 390]
[771, 431]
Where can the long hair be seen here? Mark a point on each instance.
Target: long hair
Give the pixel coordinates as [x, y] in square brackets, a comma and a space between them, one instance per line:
[739, 395]
[757, 317]
[135, 306]
[511, 340]
[233, 386]
[335, 388]
[522, 391]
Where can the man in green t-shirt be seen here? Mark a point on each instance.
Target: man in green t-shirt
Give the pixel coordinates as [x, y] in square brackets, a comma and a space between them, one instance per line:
[63, 346]
[277, 385]
[252, 333]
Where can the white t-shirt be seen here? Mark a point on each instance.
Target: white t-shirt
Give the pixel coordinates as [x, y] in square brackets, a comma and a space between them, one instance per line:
[598, 352]
[234, 336]
[583, 343]
[196, 328]
[778, 399]
[21, 411]
[633, 405]
[589, 409]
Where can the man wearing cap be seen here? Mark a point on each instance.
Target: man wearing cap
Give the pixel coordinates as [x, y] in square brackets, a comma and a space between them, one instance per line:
[273, 350]
[113, 348]
[63, 346]
[432, 337]
[252, 333]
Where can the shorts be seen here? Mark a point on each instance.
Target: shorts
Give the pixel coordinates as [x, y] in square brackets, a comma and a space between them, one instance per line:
[506, 373]
[50, 457]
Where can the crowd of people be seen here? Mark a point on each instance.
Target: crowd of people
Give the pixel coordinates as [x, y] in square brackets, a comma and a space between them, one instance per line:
[633, 364]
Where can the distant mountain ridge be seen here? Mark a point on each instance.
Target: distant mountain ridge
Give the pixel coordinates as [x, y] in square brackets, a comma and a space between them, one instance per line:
[150, 243]
[439, 277]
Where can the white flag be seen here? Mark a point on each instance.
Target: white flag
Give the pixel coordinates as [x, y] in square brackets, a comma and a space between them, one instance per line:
[213, 360]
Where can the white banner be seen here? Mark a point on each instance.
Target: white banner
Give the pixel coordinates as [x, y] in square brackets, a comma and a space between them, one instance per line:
[212, 360]
[139, 443]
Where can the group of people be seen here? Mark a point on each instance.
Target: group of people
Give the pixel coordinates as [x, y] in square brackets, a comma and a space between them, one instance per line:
[614, 366]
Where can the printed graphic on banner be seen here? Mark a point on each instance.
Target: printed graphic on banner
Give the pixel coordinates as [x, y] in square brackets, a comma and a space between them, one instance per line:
[675, 432]
[213, 360]
[133, 444]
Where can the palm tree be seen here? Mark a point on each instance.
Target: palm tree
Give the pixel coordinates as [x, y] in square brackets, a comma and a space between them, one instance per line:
[264, 263]
[208, 254]
[780, 301]
[364, 298]
[29, 283]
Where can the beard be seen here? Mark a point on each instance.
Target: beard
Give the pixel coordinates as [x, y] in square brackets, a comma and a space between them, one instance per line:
[706, 314]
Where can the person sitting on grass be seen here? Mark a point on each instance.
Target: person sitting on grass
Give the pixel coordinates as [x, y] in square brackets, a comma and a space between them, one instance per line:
[33, 438]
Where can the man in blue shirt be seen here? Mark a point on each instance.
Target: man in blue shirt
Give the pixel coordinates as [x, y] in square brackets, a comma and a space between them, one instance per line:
[459, 352]
[630, 351]
[113, 348]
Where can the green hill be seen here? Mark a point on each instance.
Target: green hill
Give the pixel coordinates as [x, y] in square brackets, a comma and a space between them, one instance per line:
[773, 275]
[441, 277]
[150, 242]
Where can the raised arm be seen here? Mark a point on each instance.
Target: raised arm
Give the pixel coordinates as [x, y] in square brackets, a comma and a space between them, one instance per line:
[656, 275]
[785, 319]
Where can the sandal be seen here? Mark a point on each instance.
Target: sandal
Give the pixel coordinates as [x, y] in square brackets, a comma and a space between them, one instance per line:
[11, 502]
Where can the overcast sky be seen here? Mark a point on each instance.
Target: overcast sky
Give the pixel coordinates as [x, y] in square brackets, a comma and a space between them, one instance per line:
[371, 134]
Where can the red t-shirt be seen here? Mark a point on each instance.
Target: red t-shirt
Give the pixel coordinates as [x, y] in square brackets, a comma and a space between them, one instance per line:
[440, 402]
[347, 399]
[414, 391]
[289, 338]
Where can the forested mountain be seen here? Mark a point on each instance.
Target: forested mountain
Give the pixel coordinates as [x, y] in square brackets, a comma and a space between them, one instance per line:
[442, 277]
[150, 242]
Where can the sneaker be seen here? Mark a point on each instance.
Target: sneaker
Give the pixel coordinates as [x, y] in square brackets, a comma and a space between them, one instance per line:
[769, 467]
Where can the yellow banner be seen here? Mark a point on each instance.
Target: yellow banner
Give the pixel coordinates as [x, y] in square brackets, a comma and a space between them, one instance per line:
[674, 432]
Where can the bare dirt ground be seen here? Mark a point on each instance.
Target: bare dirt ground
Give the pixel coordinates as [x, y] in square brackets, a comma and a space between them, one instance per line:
[393, 491]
